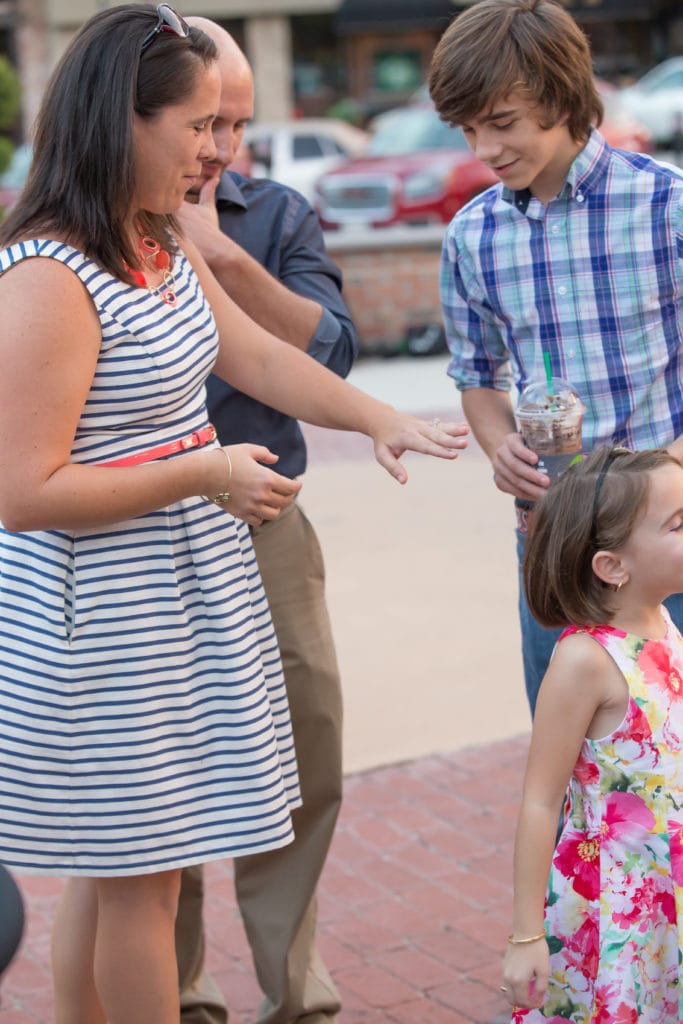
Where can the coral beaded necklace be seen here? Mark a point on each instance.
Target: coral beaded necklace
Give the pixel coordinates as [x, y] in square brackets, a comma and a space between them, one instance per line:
[154, 256]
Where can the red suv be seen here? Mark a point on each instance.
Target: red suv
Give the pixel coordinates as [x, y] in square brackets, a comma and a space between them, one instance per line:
[415, 170]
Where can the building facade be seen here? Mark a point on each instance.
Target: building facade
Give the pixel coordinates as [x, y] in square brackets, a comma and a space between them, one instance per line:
[312, 56]
[36, 32]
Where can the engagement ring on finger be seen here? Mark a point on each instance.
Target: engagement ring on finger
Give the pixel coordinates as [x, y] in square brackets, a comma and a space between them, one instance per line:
[503, 988]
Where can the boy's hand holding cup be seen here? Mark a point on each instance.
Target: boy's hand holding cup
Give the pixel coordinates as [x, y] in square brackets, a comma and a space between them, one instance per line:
[550, 415]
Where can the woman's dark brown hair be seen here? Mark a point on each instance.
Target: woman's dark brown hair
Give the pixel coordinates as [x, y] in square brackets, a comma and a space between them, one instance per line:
[82, 179]
[497, 46]
[570, 524]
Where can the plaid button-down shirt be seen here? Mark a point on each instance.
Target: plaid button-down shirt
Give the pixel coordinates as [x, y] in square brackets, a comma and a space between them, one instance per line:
[595, 279]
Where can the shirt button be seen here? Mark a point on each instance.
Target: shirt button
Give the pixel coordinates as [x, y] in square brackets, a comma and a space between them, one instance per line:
[579, 197]
[562, 290]
[555, 229]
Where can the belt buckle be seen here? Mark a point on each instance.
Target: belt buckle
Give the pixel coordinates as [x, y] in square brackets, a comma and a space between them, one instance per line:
[199, 437]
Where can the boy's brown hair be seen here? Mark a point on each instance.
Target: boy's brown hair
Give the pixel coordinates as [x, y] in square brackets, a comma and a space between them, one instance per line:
[497, 46]
[592, 507]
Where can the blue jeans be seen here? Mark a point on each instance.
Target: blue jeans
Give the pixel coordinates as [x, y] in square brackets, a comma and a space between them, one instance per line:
[538, 642]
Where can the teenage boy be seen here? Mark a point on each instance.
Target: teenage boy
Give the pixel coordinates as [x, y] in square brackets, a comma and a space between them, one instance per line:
[577, 256]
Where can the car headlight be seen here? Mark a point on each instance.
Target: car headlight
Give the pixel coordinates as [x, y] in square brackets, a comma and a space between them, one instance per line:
[323, 190]
[423, 184]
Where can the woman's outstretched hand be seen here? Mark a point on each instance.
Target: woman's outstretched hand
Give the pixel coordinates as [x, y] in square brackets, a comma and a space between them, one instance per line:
[396, 433]
[256, 492]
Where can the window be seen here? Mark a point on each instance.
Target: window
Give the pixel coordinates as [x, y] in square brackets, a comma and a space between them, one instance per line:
[396, 70]
[332, 148]
[306, 147]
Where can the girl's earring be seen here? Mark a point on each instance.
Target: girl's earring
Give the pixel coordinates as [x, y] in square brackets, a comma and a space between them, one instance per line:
[619, 585]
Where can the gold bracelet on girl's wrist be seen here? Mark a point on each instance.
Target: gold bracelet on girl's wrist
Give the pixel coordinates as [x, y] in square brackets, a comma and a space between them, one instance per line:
[515, 941]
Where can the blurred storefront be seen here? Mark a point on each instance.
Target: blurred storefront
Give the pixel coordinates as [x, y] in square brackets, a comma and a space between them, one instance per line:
[629, 36]
[387, 47]
[290, 43]
[354, 57]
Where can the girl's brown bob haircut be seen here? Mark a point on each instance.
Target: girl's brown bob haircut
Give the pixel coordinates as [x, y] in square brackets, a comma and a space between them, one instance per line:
[560, 585]
[497, 46]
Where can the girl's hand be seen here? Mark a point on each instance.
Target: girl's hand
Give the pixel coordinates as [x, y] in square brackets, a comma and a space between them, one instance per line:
[525, 974]
[396, 433]
[256, 492]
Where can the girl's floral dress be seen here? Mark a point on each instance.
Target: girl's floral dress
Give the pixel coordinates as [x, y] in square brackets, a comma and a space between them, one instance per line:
[614, 910]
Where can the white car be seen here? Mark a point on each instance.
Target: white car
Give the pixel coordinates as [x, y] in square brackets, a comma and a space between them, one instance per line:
[656, 99]
[297, 152]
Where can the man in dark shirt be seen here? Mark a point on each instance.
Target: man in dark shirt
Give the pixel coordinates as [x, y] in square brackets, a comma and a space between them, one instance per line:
[280, 231]
[264, 244]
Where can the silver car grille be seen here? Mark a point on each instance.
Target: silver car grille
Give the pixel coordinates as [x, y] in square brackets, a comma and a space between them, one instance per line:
[356, 198]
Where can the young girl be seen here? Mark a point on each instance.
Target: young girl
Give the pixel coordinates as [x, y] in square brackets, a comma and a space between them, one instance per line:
[606, 549]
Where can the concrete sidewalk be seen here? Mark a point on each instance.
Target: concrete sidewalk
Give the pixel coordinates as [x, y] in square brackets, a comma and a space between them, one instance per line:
[415, 900]
[421, 580]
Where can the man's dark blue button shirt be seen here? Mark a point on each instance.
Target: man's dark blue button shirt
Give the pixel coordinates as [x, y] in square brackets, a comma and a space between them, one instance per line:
[278, 228]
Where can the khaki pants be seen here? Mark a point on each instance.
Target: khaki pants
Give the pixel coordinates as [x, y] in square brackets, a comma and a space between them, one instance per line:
[276, 890]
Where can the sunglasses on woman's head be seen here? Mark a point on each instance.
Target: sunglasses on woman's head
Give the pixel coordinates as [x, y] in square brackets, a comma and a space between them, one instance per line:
[167, 21]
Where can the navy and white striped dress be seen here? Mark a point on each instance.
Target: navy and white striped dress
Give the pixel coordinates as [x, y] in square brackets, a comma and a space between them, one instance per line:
[145, 723]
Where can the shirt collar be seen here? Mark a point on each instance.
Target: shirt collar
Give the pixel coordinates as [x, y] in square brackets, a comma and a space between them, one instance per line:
[586, 172]
[589, 165]
[228, 191]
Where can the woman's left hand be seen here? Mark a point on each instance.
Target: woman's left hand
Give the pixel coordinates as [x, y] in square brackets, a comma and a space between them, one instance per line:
[397, 433]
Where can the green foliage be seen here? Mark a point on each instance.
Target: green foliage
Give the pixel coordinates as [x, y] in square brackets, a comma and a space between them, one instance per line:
[10, 93]
[6, 150]
[10, 100]
[346, 109]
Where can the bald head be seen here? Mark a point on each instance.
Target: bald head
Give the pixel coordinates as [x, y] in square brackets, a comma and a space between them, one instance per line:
[229, 54]
[236, 107]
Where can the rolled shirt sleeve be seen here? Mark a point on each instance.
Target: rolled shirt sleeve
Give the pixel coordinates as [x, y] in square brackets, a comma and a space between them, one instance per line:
[306, 269]
[480, 358]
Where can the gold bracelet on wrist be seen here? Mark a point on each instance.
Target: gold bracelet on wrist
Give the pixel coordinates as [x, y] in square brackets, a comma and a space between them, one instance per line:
[514, 941]
[223, 497]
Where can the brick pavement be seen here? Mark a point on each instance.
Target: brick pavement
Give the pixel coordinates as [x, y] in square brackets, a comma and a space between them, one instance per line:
[415, 900]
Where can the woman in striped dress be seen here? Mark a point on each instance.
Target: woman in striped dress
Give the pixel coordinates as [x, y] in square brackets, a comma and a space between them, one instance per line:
[145, 722]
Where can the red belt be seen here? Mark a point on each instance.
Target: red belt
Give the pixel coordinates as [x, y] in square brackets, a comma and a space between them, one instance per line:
[195, 440]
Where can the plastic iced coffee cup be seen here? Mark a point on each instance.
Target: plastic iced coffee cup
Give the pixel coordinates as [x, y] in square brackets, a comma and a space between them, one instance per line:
[550, 422]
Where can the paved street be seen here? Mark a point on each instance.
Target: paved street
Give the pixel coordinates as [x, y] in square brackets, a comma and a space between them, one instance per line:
[414, 902]
[415, 898]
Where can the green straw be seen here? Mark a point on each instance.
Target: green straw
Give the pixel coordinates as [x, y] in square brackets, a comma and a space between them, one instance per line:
[548, 373]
